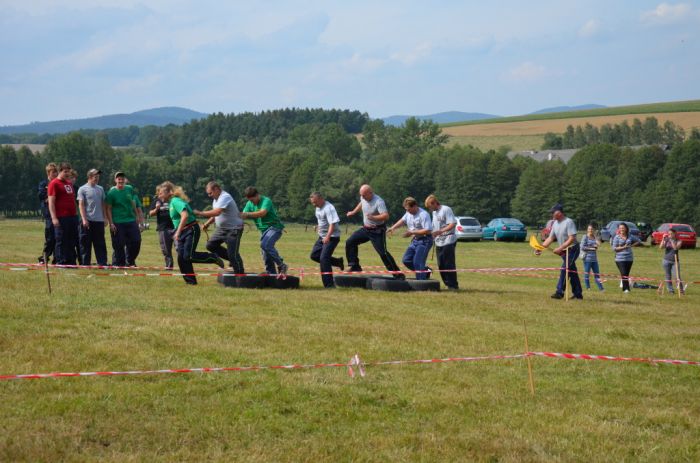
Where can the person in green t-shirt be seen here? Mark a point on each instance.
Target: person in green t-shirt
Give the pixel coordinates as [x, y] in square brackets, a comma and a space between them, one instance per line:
[263, 212]
[122, 218]
[187, 231]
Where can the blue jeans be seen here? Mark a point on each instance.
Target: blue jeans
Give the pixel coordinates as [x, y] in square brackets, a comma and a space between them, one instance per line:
[323, 254]
[270, 256]
[668, 268]
[587, 267]
[126, 244]
[416, 255]
[574, 280]
[92, 236]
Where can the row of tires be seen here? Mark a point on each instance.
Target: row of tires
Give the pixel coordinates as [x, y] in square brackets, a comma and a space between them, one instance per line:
[374, 282]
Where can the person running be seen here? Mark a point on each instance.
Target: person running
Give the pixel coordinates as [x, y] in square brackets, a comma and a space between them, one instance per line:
[622, 244]
[420, 229]
[589, 247]
[164, 228]
[91, 203]
[49, 234]
[375, 214]
[187, 232]
[264, 214]
[671, 245]
[328, 238]
[564, 231]
[64, 215]
[444, 223]
[122, 217]
[229, 226]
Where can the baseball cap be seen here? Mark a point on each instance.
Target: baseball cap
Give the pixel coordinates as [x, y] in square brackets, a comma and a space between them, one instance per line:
[93, 172]
[557, 207]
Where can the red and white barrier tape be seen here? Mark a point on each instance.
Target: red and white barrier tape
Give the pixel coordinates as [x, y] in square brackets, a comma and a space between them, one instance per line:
[354, 363]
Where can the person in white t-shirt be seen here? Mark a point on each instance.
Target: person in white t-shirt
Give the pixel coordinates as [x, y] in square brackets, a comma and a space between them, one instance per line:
[229, 226]
[444, 223]
[420, 230]
[328, 237]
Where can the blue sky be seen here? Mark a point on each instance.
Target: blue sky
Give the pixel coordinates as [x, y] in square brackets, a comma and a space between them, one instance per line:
[73, 59]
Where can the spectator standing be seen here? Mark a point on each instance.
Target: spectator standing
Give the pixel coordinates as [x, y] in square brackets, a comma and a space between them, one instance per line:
[622, 244]
[589, 246]
[91, 203]
[444, 223]
[671, 245]
[49, 234]
[264, 214]
[164, 228]
[420, 230]
[122, 215]
[229, 226]
[375, 214]
[328, 238]
[64, 215]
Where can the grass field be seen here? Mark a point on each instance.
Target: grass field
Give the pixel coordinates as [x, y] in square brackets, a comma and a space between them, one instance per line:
[582, 410]
[494, 142]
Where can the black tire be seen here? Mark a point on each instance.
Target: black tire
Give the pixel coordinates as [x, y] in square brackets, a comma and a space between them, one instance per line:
[291, 282]
[350, 281]
[250, 280]
[388, 284]
[424, 285]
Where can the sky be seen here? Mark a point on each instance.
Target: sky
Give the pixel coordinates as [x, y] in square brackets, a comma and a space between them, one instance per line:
[84, 58]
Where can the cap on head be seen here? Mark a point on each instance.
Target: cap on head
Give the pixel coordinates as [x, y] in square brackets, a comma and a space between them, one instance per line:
[119, 174]
[557, 207]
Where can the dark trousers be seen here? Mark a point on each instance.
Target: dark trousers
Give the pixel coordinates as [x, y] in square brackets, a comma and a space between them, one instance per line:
[187, 253]
[323, 254]
[574, 279]
[49, 240]
[66, 234]
[378, 238]
[625, 268]
[89, 237]
[232, 238]
[165, 239]
[416, 255]
[126, 244]
[447, 264]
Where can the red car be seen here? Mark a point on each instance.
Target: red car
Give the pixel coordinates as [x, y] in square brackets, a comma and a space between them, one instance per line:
[684, 232]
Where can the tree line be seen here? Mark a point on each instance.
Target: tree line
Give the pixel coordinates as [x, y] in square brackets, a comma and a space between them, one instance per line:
[649, 132]
[601, 182]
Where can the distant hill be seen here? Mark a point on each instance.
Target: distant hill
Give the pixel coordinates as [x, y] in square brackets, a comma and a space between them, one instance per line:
[440, 118]
[156, 116]
[563, 109]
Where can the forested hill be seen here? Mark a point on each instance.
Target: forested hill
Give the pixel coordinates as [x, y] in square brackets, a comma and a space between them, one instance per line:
[289, 153]
[157, 116]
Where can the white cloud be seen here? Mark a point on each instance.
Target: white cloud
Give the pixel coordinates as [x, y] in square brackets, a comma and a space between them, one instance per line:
[412, 56]
[526, 72]
[667, 14]
[590, 29]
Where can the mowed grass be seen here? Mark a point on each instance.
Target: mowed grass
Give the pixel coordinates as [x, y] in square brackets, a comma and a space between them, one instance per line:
[582, 410]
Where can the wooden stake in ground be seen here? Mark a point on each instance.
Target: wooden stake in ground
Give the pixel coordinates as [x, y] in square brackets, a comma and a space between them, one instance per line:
[46, 270]
[529, 362]
[566, 277]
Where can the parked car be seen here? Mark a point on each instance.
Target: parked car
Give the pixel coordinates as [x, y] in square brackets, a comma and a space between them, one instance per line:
[505, 229]
[468, 229]
[684, 232]
[544, 233]
[645, 230]
[610, 230]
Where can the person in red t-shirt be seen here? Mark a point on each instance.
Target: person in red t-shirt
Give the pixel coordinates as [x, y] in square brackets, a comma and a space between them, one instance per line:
[64, 215]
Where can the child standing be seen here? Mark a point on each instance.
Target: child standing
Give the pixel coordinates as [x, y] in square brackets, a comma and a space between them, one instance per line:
[589, 245]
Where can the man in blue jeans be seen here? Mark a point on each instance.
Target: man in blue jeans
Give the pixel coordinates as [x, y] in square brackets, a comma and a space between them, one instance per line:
[420, 229]
[564, 231]
[263, 212]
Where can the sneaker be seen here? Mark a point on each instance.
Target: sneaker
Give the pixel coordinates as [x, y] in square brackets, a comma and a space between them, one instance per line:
[399, 276]
[282, 271]
[430, 272]
[557, 296]
[626, 291]
[602, 290]
[220, 262]
[41, 259]
[580, 298]
[341, 266]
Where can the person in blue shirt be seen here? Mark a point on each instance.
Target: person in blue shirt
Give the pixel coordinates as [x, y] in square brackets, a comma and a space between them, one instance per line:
[420, 230]
[589, 248]
[622, 244]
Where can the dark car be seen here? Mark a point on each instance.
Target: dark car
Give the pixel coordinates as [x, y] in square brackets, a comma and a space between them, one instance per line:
[610, 230]
[645, 230]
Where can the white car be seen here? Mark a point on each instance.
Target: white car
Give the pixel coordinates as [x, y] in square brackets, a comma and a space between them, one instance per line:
[468, 229]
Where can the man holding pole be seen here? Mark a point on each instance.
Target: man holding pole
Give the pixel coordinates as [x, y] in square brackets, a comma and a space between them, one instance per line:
[564, 231]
